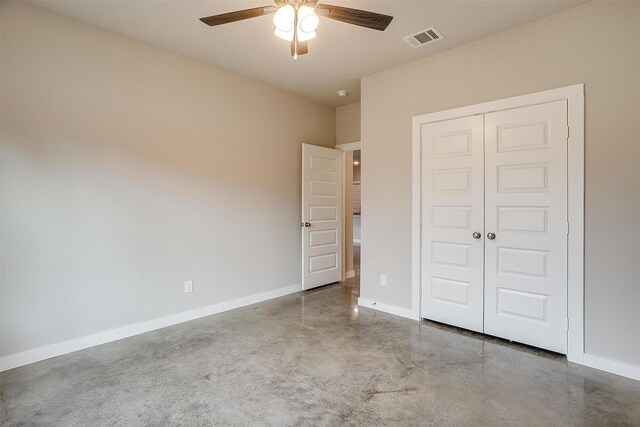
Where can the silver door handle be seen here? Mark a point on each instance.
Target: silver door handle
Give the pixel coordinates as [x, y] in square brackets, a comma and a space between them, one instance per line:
[491, 236]
[477, 235]
[307, 224]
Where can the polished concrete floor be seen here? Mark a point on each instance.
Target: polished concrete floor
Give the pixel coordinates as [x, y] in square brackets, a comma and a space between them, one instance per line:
[313, 359]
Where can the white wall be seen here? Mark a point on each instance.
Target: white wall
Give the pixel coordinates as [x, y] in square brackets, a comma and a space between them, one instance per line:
[598, 44]
[127, 170]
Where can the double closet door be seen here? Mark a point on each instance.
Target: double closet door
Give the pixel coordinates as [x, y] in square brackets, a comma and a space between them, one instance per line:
[494, 224]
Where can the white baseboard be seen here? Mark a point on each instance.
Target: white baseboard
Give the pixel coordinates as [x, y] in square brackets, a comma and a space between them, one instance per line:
[391, 309]
[350, 274]
[612, 366]
[357, 241]
[46, 352]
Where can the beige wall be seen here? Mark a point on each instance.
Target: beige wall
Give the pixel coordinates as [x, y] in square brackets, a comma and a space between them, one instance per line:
[127, 170]
[598, 44]
[348, 123]
[357, 172]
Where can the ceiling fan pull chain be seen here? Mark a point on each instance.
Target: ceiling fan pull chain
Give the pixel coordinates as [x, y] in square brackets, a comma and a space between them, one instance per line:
[295, 37]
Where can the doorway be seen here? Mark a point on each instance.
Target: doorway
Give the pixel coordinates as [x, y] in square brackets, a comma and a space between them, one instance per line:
[352, 237]
[353, 210]
[356, 211]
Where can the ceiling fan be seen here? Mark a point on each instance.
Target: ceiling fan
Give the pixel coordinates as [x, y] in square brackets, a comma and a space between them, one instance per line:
[296, 20]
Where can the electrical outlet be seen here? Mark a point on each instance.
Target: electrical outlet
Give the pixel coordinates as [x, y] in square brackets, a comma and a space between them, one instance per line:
[188, 286]
[383, 280]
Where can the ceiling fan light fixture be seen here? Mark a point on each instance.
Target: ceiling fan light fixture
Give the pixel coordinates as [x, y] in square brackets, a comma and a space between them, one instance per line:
[296, 21]
[284, 19]
[303, 37]
[288, 36]
[285, 22]
[308, 21]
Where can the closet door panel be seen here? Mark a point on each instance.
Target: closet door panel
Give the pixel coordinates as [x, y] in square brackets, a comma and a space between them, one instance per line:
[526, 209]
[452, 210]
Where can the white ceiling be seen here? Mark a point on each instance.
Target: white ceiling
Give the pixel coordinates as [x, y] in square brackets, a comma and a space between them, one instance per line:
[337, 59]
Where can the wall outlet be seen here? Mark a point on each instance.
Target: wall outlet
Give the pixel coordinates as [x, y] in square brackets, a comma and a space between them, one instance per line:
[383, 280]
[188, 286]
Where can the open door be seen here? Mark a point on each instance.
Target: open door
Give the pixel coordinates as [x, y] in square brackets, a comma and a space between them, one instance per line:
[321, 216]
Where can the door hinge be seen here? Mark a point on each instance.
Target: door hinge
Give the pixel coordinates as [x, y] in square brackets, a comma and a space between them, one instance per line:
[567, 323]
[567, 227]
[566, 133]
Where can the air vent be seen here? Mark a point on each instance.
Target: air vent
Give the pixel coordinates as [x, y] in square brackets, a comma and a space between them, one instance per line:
[423, 37]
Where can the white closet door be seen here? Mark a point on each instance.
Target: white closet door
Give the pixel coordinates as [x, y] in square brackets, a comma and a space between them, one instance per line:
[526, 209]
[452, 210]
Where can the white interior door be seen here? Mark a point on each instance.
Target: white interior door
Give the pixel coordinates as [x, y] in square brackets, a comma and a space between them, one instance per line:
[452, 211]
[526, 210]
[321, 216]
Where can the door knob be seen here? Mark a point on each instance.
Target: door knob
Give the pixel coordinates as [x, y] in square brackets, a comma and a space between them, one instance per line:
[307, 224]
[491, 236]
[477, 235]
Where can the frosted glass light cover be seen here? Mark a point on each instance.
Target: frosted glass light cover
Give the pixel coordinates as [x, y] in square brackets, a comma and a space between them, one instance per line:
[284, 18]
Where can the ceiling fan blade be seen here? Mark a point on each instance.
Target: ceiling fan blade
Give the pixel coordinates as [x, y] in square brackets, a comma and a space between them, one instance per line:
[303, 48]
[239, 15]
[362, 18]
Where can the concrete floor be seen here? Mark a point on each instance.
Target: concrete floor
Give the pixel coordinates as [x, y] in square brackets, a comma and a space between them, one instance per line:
[313, 359]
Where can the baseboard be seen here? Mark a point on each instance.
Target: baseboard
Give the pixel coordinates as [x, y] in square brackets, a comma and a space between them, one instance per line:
[46, 352]
[613, 366]
[391, 309]
[350, 274]
[357, 241]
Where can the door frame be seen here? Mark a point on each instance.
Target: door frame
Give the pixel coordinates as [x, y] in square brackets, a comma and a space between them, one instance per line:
[345, 148]
[574, 95]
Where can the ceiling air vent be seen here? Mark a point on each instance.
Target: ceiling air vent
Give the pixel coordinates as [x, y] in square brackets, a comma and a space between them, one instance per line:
[423, 37]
